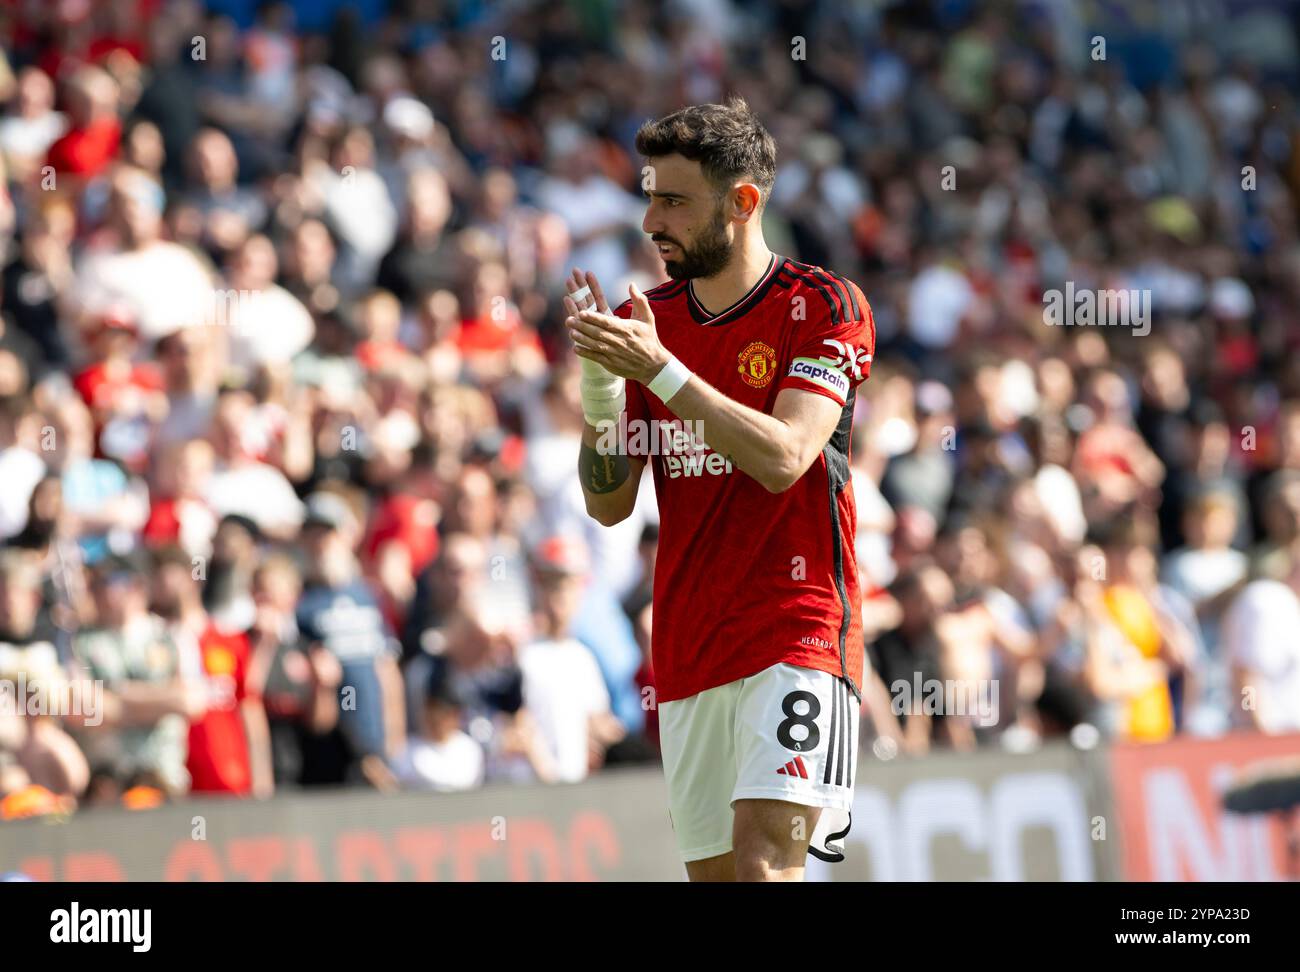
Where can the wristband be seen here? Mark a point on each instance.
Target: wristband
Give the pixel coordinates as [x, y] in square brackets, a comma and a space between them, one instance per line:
[670, 379]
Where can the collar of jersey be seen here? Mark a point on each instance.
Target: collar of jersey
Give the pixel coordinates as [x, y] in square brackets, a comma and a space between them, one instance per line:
[755, 294]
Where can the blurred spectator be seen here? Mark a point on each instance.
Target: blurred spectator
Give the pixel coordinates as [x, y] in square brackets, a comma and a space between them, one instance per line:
[21, 465]
[1114, 466]
[923, 477]
[161, 284]
[21, 360]
[108, 507]
[229, 745]
[1261, 643]
[339, 613]
[179, 512]
[424, 258]
[1281, 519]
[124, 397]
[1144, 618]
[34, 125]
[357, 206]
[190, 378]
[1050, 445]
[228, 213]
[228, 592]
[109, 384]
[94, 129]
[38, 274]
[1208, 572]
[1276, 488]
[563, 688]
[596, 210]
[379, 315]
[30, 731]
[307, 266]
[241, 483]
[298, 683]
[149, 695]
[269, 325]
[403, 537]
[473, 508]
[446, 636]
[442, 756]
[912, 649]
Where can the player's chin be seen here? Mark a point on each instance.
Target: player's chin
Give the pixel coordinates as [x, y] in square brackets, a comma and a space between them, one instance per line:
[677, 270]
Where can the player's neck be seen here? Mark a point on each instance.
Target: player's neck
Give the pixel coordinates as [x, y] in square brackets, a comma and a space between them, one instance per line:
[744, 271]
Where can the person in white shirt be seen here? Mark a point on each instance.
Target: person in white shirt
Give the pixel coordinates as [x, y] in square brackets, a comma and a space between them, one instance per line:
[32, 125]
[358, 207]
[268, 324]
[1261, 637]
[940, 297]
[164, 285]
[242, 484]
[442, 757]
[1208, 572]
[21, 466]
[564, 691]
[597, 211]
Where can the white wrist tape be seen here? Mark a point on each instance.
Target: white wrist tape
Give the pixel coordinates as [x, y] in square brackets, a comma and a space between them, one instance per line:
[602, 393]
[670, 379]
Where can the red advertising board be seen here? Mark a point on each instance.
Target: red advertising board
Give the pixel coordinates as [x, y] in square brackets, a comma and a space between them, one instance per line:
[1169, 807]
[613, 828]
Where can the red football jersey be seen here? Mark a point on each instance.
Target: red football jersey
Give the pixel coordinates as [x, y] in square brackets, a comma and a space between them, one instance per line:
[744, 578]
[219, 760]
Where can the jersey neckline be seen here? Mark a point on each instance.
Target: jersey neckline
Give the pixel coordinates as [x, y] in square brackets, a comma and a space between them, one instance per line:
[737, 309]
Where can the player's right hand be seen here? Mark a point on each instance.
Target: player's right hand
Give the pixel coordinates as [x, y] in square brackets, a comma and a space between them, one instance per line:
[584, 293]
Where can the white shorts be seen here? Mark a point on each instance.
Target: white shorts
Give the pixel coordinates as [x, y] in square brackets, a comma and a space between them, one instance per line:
[787, 733]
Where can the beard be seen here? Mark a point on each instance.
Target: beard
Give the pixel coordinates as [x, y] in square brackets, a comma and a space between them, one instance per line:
[707, 258]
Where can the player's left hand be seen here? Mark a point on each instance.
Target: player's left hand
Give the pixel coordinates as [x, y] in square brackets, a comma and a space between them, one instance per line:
[629, 348]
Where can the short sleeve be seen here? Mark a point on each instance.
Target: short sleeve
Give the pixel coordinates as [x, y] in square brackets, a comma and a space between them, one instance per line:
[831, 352]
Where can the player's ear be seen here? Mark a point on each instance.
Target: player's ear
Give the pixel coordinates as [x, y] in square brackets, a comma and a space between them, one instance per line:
[745, 200]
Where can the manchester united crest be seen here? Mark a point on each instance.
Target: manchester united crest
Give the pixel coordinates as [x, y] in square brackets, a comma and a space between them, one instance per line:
[757, 364]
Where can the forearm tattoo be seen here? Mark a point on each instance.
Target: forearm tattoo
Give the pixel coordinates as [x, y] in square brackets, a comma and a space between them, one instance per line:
[602, 473]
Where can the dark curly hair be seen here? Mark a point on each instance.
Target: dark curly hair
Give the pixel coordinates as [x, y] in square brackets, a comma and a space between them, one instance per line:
[727, 140]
